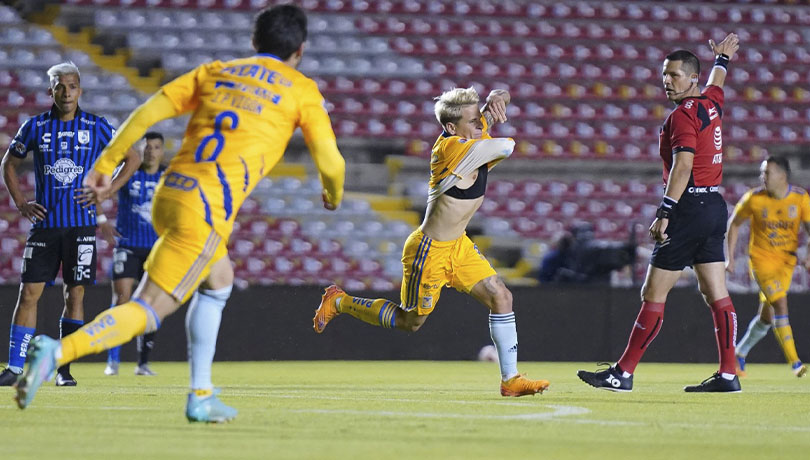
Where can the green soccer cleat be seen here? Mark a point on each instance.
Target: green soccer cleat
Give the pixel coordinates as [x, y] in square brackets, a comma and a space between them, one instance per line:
[208, 409]
[41, 366]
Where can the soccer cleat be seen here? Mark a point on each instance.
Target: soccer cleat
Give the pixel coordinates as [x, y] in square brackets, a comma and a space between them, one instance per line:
[519, 385]
[208, 409]
[112, 368]
[715, 384]
[42, 353]
[327, 310]
[607, 379]
[143, 369]
[64, 379]
[799, 369]
[8, 378]
[739, 364]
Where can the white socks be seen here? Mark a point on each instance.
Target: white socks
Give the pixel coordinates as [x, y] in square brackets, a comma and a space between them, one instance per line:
[202, 327]
[504, 336]
[756, 331]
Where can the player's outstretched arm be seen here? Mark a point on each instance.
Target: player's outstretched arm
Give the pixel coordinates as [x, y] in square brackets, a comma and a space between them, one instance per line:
[131, 164]
[724, 52]
[157, 108]
[87, 196]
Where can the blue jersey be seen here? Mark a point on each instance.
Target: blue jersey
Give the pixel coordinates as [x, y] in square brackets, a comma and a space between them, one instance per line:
[134, 221]
[63, 153]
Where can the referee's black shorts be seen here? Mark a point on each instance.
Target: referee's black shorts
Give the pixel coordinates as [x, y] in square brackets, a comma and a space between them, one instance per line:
[696, 232]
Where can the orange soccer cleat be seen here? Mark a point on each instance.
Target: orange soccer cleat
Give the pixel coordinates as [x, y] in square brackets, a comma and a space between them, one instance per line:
[327, 309]
[519, 385]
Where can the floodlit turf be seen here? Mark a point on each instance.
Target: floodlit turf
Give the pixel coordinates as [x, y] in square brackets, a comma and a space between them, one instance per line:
[407, 409]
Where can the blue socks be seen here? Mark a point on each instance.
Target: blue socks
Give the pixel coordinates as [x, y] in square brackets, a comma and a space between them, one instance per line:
[504, 336]
[202, 327]
[18, 347]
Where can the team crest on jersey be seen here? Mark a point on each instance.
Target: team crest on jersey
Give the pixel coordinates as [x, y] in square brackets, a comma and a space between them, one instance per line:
[84, 136]
[765, 213]
[793, 212]
[718, 138]
[64, 170]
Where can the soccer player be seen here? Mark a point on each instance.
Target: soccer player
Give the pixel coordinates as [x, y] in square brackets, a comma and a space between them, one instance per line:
[777, 211]
[63, 142]
[135, 237]
[690, 223]
[439, 252]
[243, 113]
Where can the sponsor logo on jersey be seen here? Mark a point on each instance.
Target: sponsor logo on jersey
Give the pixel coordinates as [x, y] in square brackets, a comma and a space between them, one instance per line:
[64, 170]
[718, 139]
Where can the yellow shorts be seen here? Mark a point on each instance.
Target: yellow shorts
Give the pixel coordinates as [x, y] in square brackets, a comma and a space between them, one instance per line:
[773, 279]
[185, 250]
[429, 265]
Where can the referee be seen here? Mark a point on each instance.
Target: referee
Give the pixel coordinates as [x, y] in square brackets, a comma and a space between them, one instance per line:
[64, 142]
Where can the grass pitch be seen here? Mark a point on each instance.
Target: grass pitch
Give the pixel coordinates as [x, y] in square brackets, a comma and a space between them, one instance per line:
[409, 409]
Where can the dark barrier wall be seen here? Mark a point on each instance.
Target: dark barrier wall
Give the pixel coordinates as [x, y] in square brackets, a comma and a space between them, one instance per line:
[554, 324]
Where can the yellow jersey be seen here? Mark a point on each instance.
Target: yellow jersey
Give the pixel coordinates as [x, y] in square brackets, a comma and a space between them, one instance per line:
[775, 222]
[244, 113]
[448, 151]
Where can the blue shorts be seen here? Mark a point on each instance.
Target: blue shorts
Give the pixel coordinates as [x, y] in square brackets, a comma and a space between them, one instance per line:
[696, 232]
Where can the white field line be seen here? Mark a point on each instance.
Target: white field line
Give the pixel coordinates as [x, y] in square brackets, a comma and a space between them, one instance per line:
[557, 411]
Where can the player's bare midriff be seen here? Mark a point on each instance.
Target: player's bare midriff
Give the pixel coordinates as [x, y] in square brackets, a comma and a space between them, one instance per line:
[446, 217]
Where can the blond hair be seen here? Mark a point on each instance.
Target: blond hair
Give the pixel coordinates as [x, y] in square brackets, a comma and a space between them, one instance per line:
[65, 68]
[449, 104]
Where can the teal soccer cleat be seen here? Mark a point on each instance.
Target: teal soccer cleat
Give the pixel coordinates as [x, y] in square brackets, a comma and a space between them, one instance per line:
[208, 409]
[41, 366]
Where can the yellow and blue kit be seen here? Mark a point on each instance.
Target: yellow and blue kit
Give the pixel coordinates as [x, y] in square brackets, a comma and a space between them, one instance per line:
[244, 113]
[775, 226]
[429, 265]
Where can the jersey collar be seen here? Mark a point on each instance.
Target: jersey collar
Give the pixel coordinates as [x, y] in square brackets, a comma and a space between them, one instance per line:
[273, 56]
[53, 113]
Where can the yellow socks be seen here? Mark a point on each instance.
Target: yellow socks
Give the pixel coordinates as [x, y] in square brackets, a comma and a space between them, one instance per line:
[784, 334]
[110, 328]
[379, 312]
